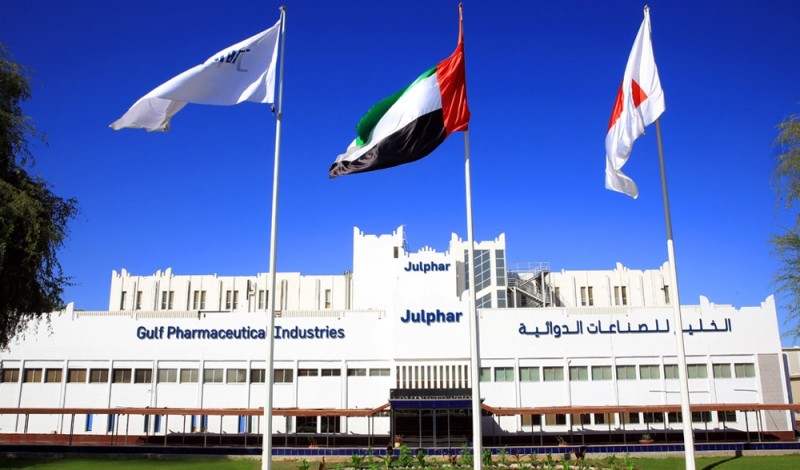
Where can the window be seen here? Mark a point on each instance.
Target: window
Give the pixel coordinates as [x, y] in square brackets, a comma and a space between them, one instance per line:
[327, 298]
[110, 422]
[97, 376]
[89, 419]
[503, 374]
[32, 375]
[122, 299]
[653, 417]
[157, 423]
[726, 416]
[555, 420]
[483, 269]
[330, 424]
[189, 376]
[500, 270]
[308, 372]
[670, 371]
[502, 301]
[143, 376]
[52, 375]
[529, 374]
[335, 372]
[580, 419]
[531, 420]
[199, 300]
[553, 374]
[674, 417]
[578, 373]
[602, 418]
[307, 424]
[121, 376]
[166, 299]
[261, 299]
[484, 301]
[601, 372]
[666, 295]
[231, 299]
[557, 296]
[649, 372]
[379, 372]
[696, 371]
[626, 372]
[236, 376]
[76, 375]
[146, 426]
[701, 416]
[486, 374]
[258, 376]
[721, 371]
[138, 300]
[744, 370]
[284, 376]
[212, 376]
[620, 295]
[167, 375]
[356, 372]
[629, 418]
[587, 298]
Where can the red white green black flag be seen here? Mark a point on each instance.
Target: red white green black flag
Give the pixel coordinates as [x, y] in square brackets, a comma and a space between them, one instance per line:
[411, 123]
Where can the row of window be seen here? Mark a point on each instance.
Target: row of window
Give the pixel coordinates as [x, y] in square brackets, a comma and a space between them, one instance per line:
[78, 375]
[199, 299]
[627, 372]
[144, 376]
[626, 418]
[620, 295]
[308, 424]
[199, 423]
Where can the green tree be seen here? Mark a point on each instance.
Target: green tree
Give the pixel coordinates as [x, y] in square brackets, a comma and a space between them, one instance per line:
[786, 180]
[33, 220]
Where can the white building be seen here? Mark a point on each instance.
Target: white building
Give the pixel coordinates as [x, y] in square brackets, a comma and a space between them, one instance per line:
[560, 351]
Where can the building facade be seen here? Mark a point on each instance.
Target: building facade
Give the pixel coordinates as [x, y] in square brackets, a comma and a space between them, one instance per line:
[396, 330]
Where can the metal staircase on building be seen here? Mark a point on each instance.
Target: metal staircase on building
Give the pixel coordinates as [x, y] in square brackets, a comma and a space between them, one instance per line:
[529, 287]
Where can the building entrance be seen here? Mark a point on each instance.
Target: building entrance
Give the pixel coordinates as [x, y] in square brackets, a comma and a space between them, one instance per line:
[431, 417]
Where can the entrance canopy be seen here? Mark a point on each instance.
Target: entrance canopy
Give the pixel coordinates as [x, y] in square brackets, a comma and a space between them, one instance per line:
[427, 399]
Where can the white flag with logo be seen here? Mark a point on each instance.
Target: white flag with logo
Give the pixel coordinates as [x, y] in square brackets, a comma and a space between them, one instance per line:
[640, 101]
[242, 72]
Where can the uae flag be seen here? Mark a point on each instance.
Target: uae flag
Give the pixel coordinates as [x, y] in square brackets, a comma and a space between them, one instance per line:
[640, 101]
[411, 123]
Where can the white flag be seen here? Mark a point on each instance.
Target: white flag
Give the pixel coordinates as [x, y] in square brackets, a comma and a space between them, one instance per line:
[640, 101]
[241, 72]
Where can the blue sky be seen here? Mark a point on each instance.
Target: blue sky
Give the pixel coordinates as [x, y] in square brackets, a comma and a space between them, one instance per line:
[541, 77]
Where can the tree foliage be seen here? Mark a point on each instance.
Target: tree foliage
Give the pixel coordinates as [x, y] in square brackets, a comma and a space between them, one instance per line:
[33, 220]
[786, 179]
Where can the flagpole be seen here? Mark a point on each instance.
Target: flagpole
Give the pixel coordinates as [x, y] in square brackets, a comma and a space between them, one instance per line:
[686, 413]
[474, 347]
[266, 457]
[474, 350]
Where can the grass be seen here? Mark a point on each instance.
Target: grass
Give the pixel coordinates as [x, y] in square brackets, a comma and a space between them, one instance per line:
[777, 462]
[71, 463]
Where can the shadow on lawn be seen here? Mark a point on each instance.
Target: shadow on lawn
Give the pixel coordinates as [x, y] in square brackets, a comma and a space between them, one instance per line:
[717, 464]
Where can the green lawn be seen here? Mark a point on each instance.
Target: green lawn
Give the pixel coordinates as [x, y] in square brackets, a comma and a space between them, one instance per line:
[783, 462]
